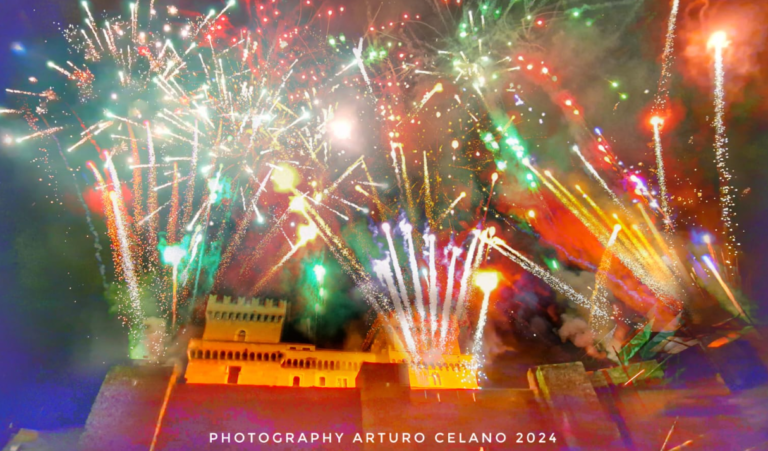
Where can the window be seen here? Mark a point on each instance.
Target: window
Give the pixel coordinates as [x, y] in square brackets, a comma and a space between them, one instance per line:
[261, 302]
[296, 381]
[343, 382]
[237, 355]
[217, 315]
[240, 336]
[233, 300]
[229, 355]
[321, 382]
[207, 354]
[233, 374]
[252, 316]
[252, 356]
[258, 317]
[248, 301]
[219, 299]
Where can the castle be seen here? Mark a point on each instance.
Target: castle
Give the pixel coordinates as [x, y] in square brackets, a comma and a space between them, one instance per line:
[245, 389]
[242, 345]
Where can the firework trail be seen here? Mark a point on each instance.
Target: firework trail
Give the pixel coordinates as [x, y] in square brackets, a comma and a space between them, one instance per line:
[597, 177]
[719, 41]
[598, 299]
[88, 218]
[666, 60]
[466, 274]
[656, 122]
[128, 270]
[487, 282]
[420, 336]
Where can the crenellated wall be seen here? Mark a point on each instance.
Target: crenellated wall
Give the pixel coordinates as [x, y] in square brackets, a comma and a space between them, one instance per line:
[239, 319]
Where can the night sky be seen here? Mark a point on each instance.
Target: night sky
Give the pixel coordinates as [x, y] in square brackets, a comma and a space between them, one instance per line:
[58, 337]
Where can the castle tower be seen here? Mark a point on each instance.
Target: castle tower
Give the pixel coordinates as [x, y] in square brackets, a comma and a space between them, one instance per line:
[243, 319]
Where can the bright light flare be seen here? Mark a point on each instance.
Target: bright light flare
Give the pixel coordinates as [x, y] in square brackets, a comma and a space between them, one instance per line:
[307, 233]
[341, 129]
[173, 255]
[319, 273]
[487, 281]
[718, 40]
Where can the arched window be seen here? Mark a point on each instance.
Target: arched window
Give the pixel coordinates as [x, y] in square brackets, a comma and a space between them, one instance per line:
[237, 355]
[214, 356]
[274, 357]
[237, 316]
[252, 356]
[296, 381]
[217, 315]
[258, 357]
[279, 318]
[252, 316]
[258, 317]
[229, 355]
[240, 336]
